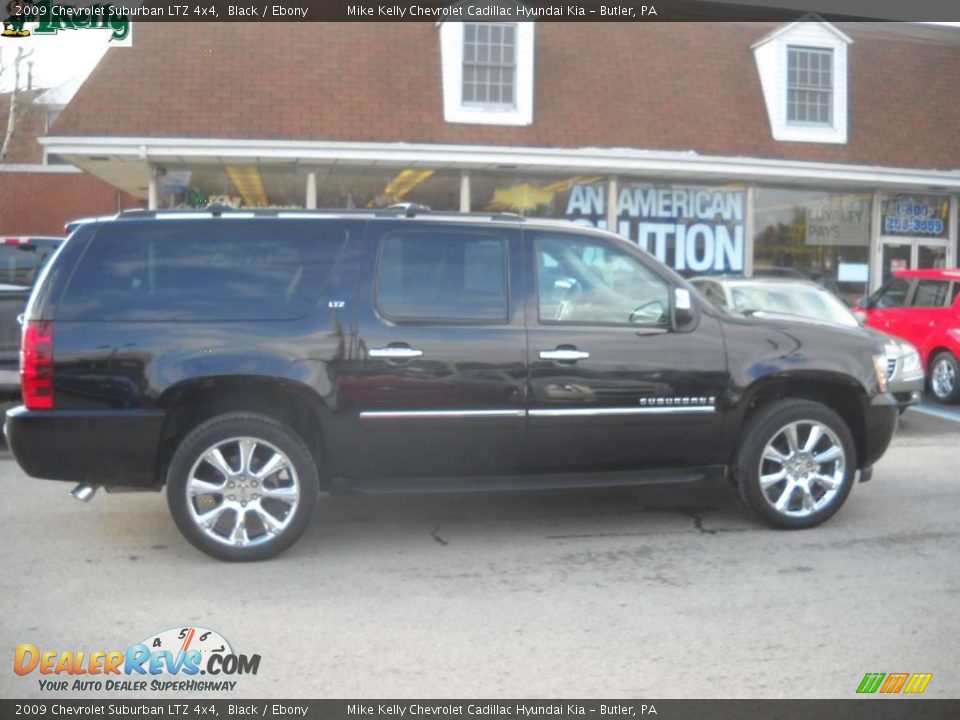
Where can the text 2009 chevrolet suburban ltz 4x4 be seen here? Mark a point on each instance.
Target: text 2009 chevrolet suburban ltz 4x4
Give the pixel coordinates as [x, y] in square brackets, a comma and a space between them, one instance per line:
[249, 361]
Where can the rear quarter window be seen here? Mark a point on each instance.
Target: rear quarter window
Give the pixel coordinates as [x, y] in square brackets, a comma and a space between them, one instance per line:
[206, 270]
[930, 293]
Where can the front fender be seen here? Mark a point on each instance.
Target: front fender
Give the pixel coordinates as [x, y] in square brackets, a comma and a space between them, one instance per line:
[774, 359]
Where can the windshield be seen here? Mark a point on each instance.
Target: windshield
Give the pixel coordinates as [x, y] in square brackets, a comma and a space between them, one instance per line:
[792, 299]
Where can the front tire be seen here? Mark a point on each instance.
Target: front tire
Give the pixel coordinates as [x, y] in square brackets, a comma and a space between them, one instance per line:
[795, 465]
[944, 375]
[242, 487]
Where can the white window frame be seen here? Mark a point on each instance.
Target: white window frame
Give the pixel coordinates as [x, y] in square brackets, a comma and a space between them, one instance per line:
[451, 58]
[831, 89]
[771, 55]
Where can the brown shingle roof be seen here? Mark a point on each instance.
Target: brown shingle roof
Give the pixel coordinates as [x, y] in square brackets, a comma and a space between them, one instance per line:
[670, 86]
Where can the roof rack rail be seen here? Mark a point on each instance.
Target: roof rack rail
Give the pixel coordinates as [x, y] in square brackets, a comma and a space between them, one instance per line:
[217, 209]
[410, 210]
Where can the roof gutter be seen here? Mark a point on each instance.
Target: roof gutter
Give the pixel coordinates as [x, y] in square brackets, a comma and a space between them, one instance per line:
[615, 161]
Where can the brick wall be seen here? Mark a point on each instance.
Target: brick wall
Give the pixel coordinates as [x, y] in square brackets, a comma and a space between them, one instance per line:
[671, 86]
[41, 203]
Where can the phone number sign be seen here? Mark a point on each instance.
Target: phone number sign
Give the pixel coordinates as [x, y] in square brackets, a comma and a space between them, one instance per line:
[915, 215]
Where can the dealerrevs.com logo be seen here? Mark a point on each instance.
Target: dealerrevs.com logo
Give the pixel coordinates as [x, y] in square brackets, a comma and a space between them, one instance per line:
[893, 683]
[50, 18]
[172, 660]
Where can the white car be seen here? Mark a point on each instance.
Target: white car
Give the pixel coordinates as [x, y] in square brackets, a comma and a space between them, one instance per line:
[809, 301]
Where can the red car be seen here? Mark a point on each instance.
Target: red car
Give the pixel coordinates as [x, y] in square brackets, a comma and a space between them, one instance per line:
[923, 307]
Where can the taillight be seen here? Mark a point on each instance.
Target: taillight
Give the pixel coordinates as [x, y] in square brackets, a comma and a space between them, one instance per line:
[36, 365]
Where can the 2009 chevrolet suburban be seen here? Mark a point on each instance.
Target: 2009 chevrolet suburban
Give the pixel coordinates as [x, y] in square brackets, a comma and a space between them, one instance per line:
[250, 360]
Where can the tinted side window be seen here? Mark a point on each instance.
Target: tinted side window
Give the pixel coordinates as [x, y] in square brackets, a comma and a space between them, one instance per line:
[205, 270]
[930, 293]
[442, 276]
[583, 280]
[955, 293]
[20, 263]
[893, 294]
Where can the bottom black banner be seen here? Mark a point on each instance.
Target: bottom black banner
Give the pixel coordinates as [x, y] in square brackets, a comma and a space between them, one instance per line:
[873, 709]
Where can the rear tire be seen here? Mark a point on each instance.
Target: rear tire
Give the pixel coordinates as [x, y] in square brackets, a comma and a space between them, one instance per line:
[242, 487]
[795, 465]
[944, 377]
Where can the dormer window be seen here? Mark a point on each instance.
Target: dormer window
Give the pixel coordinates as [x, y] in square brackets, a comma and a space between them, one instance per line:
[487, 72]
[803, 74]
[809, 86]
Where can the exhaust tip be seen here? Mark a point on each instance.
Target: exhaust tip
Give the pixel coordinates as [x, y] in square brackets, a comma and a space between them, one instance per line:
[84, 492]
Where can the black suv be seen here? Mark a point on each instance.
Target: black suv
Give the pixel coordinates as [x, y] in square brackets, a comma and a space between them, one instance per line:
[250, 360]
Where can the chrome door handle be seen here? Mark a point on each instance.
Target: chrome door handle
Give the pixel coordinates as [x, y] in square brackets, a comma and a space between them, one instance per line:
[395, 353]
[564, 354]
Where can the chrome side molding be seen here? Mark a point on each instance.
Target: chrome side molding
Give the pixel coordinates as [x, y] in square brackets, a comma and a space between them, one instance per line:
[536, 412]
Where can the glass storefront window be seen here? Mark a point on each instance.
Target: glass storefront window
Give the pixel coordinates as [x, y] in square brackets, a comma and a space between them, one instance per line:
[910, 215]
[285, 186]
[695, 229]
[821, 236]
[550, 196]
[235, 185]
[893, 258]
[914, 231]
[346, 186]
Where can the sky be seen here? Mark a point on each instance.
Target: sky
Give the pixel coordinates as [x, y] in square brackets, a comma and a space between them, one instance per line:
[56, 58]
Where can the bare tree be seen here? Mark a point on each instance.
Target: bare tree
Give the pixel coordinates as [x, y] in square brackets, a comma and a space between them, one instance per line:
[13, 110]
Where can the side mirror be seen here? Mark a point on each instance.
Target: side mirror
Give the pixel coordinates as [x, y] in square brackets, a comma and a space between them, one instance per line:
[683, 312]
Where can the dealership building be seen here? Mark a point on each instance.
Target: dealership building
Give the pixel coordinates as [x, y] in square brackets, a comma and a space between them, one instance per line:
[832, 149]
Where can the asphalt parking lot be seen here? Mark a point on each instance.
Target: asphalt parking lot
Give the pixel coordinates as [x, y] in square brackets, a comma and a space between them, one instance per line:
[647, 593]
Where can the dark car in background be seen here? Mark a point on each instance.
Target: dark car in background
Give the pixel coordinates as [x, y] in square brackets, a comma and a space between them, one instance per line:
[249, 360]
[801, 299]
[21, 260]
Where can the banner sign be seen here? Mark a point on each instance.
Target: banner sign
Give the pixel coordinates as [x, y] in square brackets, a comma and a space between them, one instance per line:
[915, 215]
[838, 220]
[691, 229]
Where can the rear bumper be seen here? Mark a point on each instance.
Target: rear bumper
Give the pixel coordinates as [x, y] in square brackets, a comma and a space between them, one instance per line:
[99, 447]
[880, 416]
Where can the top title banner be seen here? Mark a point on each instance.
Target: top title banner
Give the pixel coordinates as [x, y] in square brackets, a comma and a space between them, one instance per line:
[55, 15]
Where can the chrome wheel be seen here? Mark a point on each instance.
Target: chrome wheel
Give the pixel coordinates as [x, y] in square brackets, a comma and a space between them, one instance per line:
[242, 492]
[943, 379]
[802, 468]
